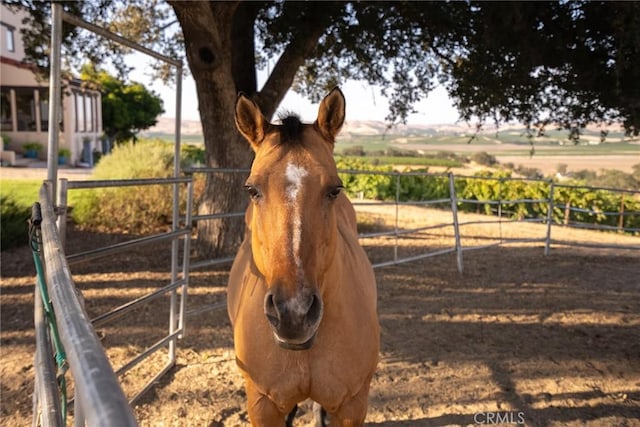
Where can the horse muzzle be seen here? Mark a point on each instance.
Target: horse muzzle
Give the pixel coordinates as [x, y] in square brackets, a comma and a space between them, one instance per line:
[294, 320]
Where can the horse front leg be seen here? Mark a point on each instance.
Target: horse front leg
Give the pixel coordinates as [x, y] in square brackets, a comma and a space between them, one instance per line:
[262, 411]
[353, 412]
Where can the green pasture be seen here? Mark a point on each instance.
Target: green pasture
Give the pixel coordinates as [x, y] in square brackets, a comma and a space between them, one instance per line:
[406, 161]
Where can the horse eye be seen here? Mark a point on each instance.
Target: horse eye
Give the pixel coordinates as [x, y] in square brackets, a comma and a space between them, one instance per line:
[333, 193]
[254, 193]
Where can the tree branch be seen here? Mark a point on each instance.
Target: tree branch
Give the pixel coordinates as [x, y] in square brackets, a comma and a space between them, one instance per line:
[309, 29]
[243, 61]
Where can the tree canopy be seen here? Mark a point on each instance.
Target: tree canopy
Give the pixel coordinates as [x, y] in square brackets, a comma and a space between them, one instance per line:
[540, 63]
[127, 108]
[547, 63]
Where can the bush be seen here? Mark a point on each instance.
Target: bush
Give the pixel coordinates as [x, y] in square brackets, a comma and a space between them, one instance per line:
[356, 150]
[484, 158]
[129, 209]
[380, 187]
[193, 155]
[14, 226]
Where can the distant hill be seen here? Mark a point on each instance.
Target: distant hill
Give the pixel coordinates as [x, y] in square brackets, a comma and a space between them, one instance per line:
[166, 126]
[354, 130]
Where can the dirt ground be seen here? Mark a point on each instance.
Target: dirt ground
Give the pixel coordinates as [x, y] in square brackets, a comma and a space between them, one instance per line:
[519, 337]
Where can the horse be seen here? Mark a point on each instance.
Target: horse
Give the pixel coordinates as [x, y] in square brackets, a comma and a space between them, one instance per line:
[301, 295]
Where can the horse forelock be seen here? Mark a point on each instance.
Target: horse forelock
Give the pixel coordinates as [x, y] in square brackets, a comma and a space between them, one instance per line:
[291, 128]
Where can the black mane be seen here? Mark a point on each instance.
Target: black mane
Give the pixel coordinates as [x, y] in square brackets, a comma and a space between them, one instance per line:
[291, 128]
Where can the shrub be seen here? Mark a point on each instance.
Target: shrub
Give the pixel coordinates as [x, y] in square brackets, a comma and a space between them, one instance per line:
[31, 149]
[484, 158]
[193, 155]
[381, 187]
[356, 150]
[14, 226]
[32, 146]
[129, 209]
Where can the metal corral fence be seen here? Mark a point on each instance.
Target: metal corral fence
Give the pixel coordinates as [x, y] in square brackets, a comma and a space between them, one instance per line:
[98, 396]
[179, 282]
[498, 205]
[99, 399]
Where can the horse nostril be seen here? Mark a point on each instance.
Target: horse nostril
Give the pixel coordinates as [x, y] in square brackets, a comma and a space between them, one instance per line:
[315, 310]
[271, 311]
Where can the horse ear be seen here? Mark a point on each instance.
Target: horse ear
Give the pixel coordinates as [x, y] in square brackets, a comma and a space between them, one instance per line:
[331, 114]
[250, 121]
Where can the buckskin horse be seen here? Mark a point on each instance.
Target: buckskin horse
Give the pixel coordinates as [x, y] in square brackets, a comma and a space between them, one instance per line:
[301, 293]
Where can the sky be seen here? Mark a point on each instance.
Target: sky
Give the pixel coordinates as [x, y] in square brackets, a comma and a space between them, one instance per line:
[364, 102]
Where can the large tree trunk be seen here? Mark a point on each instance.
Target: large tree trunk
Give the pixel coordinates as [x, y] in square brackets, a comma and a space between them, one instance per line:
[219, 43]
[207, 29]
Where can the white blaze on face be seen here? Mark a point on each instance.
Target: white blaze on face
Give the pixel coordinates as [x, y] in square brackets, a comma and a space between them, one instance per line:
[295, 175]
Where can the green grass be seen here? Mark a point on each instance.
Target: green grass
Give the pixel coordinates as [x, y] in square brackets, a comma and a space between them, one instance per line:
[23, 192]
[16, 198]
[409, 161]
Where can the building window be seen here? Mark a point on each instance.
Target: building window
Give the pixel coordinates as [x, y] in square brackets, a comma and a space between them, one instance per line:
[79, 107]
[6, 114]
[26, 109]
[88, 113]
[44, 110]
[11, 45]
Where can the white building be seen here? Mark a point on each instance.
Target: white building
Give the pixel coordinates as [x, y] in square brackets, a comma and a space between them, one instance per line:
[24, 103]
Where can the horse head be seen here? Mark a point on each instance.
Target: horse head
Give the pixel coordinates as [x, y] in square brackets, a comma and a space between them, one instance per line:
[293, 187]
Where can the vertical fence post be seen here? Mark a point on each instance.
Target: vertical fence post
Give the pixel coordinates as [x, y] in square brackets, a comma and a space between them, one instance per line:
[456, 225]
[621, 221]
[395, 246]
[174, 316]
[547, 246]
[46, 398]
[54, 97]
[62, 210]
[500, 182]
[567, 212]
[186, 255]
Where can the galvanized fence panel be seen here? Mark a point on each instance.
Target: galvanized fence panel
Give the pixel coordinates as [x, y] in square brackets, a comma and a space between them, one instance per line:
[567, 207]
[179, 280]
[498, 218]
[86, 403]
[100, 400]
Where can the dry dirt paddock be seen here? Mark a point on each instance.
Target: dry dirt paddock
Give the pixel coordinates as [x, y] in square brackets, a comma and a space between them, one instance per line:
[518, 337]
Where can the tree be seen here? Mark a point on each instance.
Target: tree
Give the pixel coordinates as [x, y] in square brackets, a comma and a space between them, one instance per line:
[127, 108]
[541, 63]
